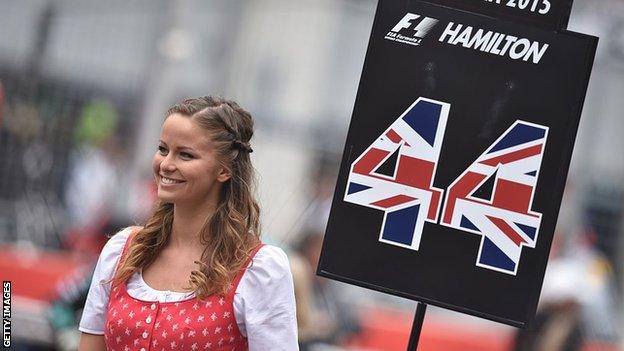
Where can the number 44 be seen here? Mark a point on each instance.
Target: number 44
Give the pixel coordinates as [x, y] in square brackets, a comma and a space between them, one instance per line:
[492, 197]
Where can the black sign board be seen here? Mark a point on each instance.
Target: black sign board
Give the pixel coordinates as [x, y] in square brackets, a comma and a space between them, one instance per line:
[456, 159]
[550, 14]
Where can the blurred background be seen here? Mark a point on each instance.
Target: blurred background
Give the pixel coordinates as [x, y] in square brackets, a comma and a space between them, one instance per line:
[83, 89]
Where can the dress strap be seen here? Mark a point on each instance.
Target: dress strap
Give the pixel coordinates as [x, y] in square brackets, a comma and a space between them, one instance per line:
[239, 276]
[125, 248]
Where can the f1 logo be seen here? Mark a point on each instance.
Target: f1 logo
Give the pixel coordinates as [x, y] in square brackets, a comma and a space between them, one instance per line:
[422, 28]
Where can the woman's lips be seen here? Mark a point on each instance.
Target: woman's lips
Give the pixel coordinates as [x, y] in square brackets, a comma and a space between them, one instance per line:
[169, 181]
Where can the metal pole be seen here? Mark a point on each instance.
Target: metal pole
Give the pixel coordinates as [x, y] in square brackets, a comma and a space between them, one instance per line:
[421, 308]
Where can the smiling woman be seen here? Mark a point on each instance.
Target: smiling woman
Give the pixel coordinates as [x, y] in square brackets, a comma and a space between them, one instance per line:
[196, 275]
[185, 166]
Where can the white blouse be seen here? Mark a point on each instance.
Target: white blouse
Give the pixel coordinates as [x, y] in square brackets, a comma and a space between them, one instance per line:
[264, 302]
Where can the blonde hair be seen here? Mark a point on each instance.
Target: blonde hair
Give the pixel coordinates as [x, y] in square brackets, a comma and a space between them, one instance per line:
[232, 232]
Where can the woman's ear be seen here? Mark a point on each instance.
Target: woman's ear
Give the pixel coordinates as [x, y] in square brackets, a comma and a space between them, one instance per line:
[224, 174]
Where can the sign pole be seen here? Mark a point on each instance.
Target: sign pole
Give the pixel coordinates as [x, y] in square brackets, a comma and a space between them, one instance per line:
[421, 308]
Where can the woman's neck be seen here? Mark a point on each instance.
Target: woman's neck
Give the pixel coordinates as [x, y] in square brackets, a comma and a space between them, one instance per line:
[188, 221]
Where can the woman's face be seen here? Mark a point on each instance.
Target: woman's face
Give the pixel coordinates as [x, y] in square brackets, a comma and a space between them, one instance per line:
[185, 166]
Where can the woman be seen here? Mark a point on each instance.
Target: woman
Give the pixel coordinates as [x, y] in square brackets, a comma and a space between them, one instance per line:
[196, 276]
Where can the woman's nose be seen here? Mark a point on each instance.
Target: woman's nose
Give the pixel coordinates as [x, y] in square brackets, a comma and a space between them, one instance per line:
[167, 164]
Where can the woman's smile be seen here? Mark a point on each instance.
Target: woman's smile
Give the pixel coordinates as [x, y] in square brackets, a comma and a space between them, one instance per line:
[169, 181]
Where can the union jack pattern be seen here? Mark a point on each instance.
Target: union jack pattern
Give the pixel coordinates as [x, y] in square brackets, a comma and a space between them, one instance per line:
[504, 219]
[407, 197]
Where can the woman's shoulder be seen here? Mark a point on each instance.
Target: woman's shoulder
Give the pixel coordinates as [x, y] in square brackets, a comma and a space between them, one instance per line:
[266, 286]
[110, 254]
[121, 236]
[270, 254]
[270, 262]
[114, 246]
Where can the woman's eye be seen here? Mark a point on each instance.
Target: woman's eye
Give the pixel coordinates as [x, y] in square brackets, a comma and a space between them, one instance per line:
[186, 155]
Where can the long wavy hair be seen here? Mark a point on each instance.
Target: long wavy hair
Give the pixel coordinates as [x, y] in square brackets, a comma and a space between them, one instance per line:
[231, 233]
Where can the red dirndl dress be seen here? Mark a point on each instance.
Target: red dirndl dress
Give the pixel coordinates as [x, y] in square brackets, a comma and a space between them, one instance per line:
[134, 324]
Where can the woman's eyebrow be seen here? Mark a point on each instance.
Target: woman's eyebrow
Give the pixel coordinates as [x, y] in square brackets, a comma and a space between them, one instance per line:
[181, 147]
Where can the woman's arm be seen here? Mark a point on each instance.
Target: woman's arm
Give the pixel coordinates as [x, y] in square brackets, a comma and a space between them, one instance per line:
[91, 342]
[92, 321]
[265, 303]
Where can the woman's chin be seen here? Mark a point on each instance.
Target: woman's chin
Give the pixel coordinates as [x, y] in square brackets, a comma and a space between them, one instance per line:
[166, 196]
